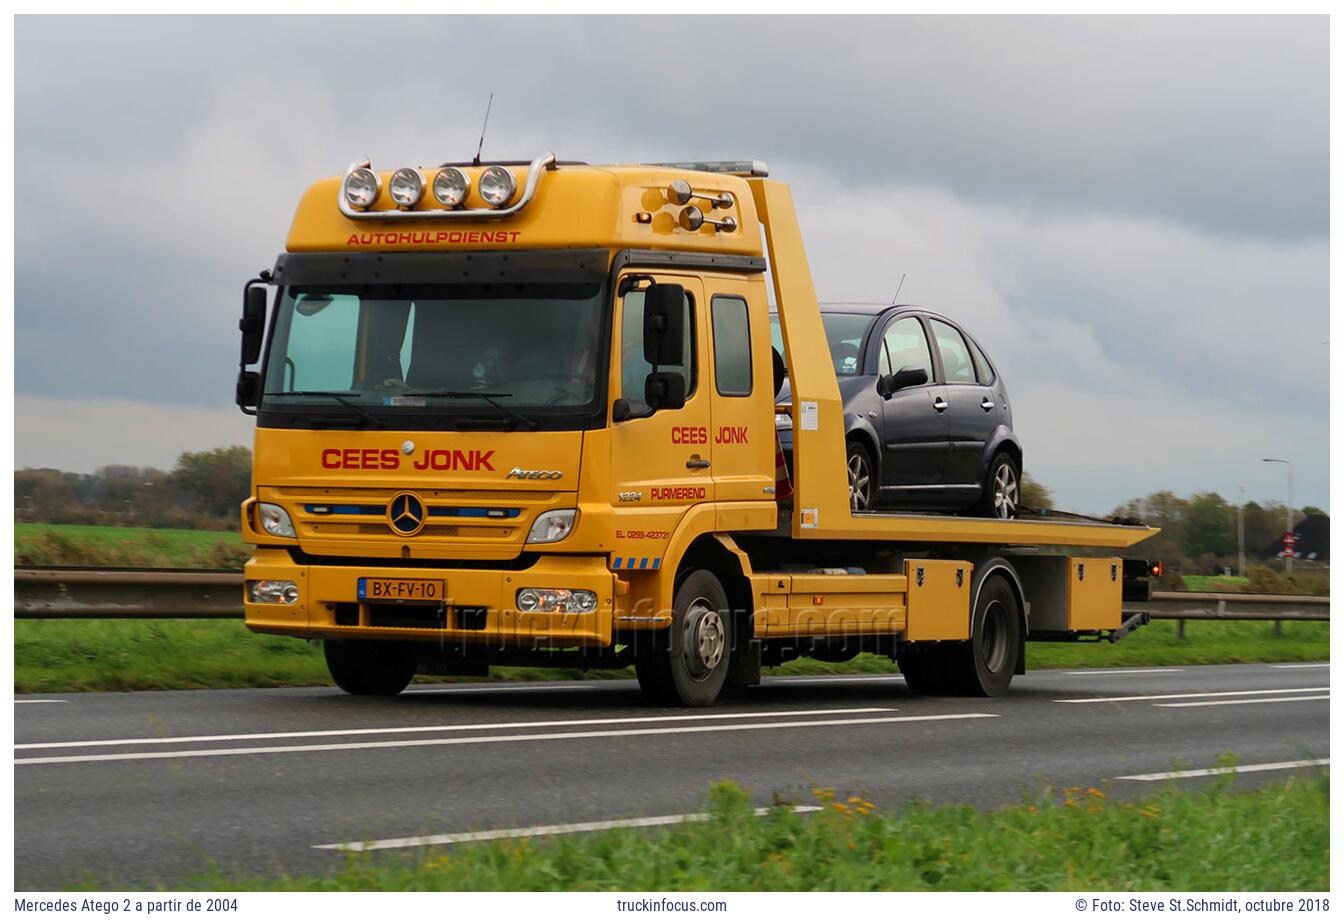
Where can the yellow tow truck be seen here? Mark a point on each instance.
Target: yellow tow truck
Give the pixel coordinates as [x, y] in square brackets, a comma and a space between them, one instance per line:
[524, 413]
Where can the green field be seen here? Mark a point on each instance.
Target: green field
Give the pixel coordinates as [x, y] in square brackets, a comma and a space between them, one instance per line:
[1211, 838]
[96, 545]
[55, 656]
[1216, 584]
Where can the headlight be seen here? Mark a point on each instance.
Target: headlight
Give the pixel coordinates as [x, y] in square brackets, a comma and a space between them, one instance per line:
[552, 526]
[272, 591]
[275, 520]
[406, 187]
[451, 186]
[783, 421]
[361, 187]
[556, 600]
[497, 186]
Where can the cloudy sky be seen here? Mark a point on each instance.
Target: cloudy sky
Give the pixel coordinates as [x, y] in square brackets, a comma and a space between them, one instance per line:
[1130, 213]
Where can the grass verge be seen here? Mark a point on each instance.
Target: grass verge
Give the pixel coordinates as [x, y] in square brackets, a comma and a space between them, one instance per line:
[1273, 839]
[61, 656]
[95, 545]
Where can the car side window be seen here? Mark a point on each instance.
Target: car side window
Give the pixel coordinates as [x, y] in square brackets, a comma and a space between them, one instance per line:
[983, 369]
[957, 364]
[633, 366]
[905, 345]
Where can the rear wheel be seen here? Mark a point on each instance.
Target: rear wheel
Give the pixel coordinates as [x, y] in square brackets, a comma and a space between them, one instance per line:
[862, 479]
[370, 668]
[984, 666]
[691, 671]
[1000, 494]
[924, 667]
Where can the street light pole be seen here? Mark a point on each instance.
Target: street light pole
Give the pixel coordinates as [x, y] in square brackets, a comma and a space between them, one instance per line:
[1241, 534]
[1288, 515]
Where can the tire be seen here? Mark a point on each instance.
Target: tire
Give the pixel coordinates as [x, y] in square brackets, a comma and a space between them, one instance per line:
[363, 668]
[862, 473]
[984, 666]
[692, 670]
[1001, 492]
[925, 669]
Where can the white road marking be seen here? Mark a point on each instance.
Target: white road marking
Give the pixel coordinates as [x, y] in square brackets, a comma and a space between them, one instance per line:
[1219, 771]
[542, 831]
[1178, 696]
[17, 702]
[1323, 664]
[489, 739]
[1272, 699]
[496, 687]
[1106, 672]
[461, 727]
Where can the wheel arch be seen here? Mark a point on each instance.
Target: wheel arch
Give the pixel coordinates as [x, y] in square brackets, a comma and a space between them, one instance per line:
[1002, 440]
[988, 567]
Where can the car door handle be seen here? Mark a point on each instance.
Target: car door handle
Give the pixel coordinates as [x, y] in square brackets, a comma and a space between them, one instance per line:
[940, 404]
[695, 463]
[987, 404]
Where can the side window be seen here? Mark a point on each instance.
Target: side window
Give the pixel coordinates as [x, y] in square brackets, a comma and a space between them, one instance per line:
[905, 345]
[732, 346]
[633, 366]
[957, 364]
[983, 369]
[322, 339]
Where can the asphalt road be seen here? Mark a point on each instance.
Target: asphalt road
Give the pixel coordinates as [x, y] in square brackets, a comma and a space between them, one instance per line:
[138, 788]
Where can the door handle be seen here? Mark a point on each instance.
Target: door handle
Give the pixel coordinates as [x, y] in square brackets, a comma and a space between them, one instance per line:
[940, 404]
[695, 463]
[987, 404]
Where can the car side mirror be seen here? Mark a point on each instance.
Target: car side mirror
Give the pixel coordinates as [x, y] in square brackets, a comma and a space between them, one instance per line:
[910, 376]
[665, 390]
[664, 324]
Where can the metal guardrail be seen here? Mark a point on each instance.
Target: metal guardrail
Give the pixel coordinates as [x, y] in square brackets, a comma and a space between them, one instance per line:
[79, 593]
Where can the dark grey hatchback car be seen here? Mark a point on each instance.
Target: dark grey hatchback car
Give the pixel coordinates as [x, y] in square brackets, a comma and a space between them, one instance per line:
[928, 425]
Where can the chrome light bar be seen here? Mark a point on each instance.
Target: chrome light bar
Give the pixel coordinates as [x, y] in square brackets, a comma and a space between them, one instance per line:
[534, 171]
[727, 167]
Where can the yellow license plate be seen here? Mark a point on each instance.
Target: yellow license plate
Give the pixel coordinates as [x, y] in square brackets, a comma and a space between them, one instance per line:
[401, 590]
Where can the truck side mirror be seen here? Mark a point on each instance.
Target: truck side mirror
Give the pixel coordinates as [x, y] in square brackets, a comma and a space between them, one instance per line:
[665, 390]
[253, 323]
[909, 376]
[664, 324]
[247, 393]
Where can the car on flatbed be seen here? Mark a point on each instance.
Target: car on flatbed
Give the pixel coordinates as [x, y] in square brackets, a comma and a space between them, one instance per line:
[928, 425]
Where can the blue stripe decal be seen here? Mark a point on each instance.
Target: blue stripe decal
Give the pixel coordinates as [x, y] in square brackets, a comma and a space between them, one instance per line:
[616, 562]
[345, 509]
[644, 563]
[657, 563]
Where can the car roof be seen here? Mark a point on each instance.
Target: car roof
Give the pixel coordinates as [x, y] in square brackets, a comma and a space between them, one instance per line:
[868, 309]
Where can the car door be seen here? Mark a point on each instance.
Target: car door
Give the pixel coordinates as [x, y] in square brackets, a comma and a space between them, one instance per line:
[971, 412]
[914, 419]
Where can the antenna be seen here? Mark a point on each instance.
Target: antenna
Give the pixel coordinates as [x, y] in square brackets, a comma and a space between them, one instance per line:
[477, 160]
[898, 290]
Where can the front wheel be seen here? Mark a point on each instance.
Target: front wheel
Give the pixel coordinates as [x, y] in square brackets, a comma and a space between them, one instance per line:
[364, 668]
[1001, 492]
[692, 669]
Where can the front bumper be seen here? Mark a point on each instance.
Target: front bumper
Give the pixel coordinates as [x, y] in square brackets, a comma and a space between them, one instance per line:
[482, 600]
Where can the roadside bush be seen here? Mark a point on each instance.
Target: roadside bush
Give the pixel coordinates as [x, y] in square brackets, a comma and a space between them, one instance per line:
[1264, 580]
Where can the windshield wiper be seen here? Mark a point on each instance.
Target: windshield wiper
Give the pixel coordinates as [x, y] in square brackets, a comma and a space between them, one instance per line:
[491, 398]
[339, 397]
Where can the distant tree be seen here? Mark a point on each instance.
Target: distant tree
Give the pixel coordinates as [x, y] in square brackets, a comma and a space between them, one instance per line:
[1035, 494]
[213, 482]
[43, 495]
[1165, 510]
[1310, 510]
[1209, 526]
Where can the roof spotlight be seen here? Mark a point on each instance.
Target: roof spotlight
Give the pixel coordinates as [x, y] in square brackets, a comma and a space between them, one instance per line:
[406, 187]
[451, 186]
[497, 186]
[361, 187]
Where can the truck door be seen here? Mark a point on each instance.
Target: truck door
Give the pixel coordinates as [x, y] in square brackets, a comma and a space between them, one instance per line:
[660, 461]
[971, 413]
[742, 418]
[914, 420]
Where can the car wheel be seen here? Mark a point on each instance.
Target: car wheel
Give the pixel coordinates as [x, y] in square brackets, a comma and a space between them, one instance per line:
[862, 477]
[1001, 493]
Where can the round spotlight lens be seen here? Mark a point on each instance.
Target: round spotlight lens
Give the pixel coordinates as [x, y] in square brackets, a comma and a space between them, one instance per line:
[406, 187]
[528, 600]
[497, 186]
[451, 186]
[361, 187]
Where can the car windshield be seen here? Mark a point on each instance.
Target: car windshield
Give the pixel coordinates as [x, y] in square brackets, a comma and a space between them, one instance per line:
[397, 347]
[844, 337]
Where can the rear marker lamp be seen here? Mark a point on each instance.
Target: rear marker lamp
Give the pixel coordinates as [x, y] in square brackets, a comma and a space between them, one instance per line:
[497, 186]
[451, 186]
[361, 187]
[406, 187]
[553, 526]
[275, 520]
[272, 591]
[556, 600]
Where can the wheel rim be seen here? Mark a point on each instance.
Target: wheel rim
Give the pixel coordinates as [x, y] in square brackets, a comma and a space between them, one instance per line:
[994, 638]
[1005, 492]
[860, 483]
[707, 639]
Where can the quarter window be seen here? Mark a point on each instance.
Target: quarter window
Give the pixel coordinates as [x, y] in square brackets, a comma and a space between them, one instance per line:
[732, 346]
[983, 369]
[905, 345]
[634, 369]
[957, 364]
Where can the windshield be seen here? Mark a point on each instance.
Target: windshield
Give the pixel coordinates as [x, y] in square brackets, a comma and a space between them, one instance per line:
[844, 338]
[477, 349]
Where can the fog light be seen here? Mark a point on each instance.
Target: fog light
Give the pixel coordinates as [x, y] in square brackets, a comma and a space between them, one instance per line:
[497, 186]
[406, 187]
[272, 591]
[451, 186]
[556, 600]
[275, 520]
[361, 187]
